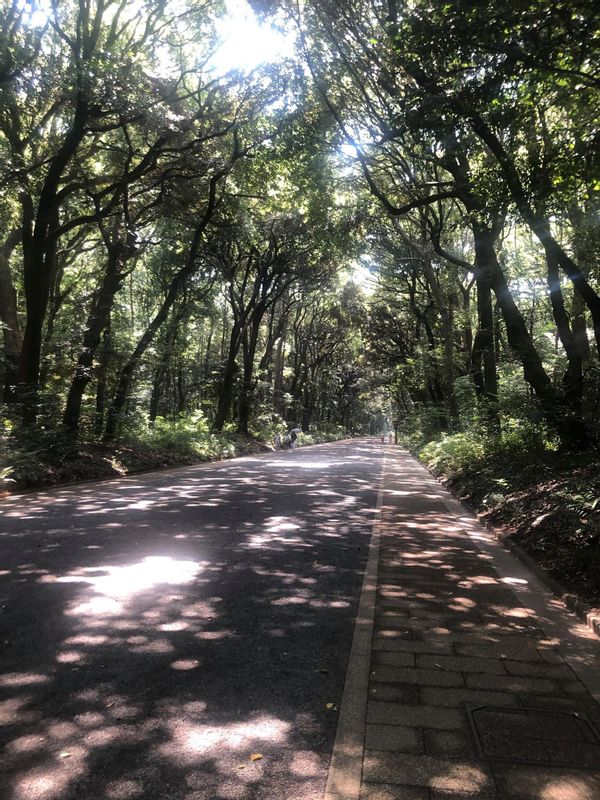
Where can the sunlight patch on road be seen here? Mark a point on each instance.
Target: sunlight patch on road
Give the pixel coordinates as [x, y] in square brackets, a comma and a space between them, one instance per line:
[297, 462]
[118, 584]
[190, 740]
[11, 679]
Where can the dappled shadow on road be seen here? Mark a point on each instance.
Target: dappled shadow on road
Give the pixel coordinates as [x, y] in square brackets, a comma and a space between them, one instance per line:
[458, 623]
[159, 634]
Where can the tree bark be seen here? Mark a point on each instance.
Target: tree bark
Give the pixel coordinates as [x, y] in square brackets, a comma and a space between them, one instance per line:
[248, 386]
[39, 258]
[104, 357]
[536, 221]
[559, 417]
[226, 391]
[97, 320]
[573, 378]
[9, 317]
[177, 283]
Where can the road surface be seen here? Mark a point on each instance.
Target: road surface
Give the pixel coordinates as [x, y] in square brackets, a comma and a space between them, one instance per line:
[183, 635]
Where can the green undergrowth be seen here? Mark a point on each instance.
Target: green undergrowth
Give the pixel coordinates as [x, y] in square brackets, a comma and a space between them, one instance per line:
[30, 459]
[546, 499]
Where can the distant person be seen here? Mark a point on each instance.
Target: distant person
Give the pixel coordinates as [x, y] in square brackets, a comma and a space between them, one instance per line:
[293, 438]
[390, 437]
[383, 438]
[277, 441]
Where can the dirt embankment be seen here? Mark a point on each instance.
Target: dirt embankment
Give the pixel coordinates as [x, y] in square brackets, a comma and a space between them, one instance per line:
[551, 508]
[58, 463]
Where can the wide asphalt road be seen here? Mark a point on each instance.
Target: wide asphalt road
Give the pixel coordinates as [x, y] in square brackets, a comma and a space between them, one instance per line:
[182, 635]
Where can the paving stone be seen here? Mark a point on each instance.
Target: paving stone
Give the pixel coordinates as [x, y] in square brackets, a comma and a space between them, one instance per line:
[425, 677]
[390, 642]
[438, 605]
[426, 771]
[394, 659]
[575, 687]
[518, 651]
[540, 783]
[401, 615]
[447, 618]
[472, 637]
[396, 738]
[448, 744]
[509, 683]
[436, 696]
[486, 794]
[539, 669]
[397, 692]
[578, 703]
[379, 791]
[461, 664]
[397, 623]
[414, 625]
[415, 716]
[550, 655]
[448, 632]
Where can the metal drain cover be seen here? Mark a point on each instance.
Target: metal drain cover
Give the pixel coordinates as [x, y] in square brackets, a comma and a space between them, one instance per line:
[535, 736]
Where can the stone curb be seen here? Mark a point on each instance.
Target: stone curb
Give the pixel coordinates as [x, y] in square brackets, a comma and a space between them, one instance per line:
[344, 777]
[571, 601]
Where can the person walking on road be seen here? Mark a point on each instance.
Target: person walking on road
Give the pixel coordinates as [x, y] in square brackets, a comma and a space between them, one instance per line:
[294, 437]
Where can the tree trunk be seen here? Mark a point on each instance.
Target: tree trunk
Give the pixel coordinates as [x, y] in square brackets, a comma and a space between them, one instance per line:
[97, 320]
[163, 365]
[38, 269]
[445, 311]
[206, 360]
[569, 426]
[157, 387]
[11, 330]
[540, 226]
[39, 259]
[177, 283]
[104, 357]
[279, 363]
[485, 332]
[181, 399]
[248, 387]
[226, 390]
[573, 378]
[585, 227]
[580, 326]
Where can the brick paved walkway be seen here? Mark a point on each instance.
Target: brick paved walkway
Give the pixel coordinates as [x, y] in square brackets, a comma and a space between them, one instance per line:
[472, 692]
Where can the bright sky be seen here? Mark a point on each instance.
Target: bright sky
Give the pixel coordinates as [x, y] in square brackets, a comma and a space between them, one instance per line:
[360, 273]
[246, 42]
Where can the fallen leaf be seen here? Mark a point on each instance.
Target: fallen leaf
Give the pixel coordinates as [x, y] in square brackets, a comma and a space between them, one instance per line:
[65, 754]
[255, 757]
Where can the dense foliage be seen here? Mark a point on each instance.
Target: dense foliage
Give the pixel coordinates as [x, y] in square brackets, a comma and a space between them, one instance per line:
[396, 224]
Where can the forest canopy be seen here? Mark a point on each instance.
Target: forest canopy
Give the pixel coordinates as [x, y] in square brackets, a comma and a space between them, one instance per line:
[354, 216]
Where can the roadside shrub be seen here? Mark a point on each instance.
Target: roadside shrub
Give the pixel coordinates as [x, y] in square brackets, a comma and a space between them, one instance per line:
[186, 436]
[453, 452]
[264, 427]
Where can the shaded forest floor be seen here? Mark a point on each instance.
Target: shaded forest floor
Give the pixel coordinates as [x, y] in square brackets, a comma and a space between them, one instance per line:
[54, 461]
[549, 504]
